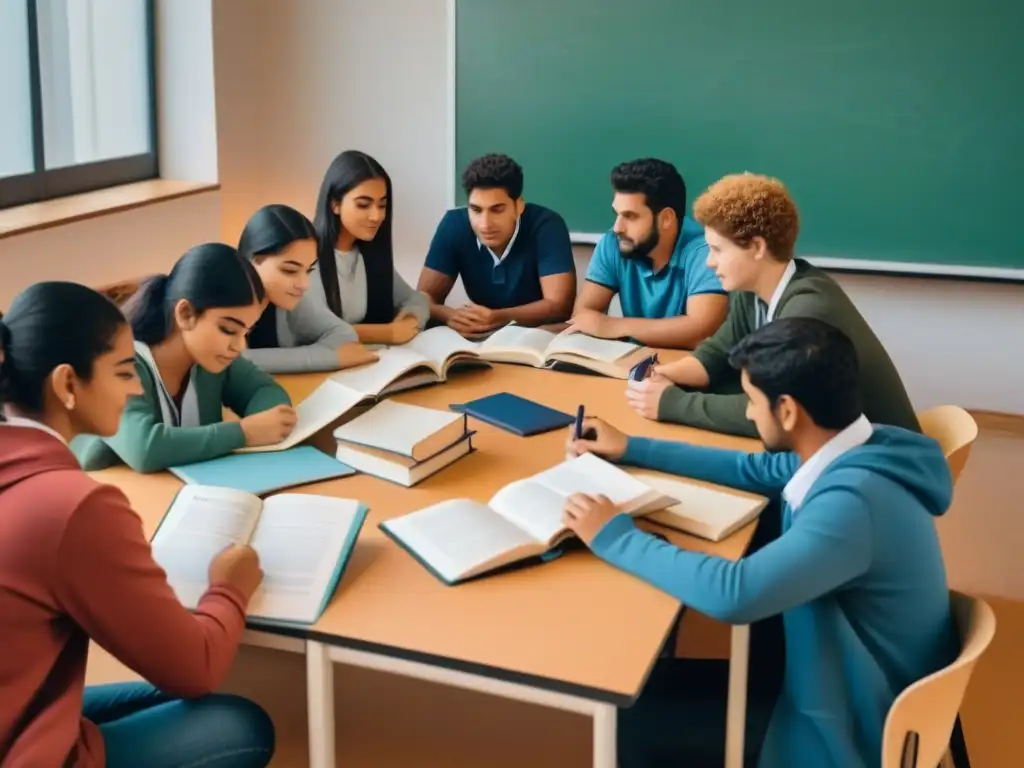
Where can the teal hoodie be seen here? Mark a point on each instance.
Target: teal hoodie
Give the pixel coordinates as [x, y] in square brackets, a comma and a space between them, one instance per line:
[857, 575]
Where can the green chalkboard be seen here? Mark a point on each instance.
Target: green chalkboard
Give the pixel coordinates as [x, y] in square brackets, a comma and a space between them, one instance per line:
[897, 125]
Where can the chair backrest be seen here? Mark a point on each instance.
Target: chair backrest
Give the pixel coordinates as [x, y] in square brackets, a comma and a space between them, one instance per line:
[929, 707]
[954, 429]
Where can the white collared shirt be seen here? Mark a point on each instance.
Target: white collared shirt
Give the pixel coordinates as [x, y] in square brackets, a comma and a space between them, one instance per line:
[20, 421]
[498, 259]
[796, 490]
[764, 315]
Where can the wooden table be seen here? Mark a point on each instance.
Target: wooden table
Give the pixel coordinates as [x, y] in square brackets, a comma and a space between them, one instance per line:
[575, 633]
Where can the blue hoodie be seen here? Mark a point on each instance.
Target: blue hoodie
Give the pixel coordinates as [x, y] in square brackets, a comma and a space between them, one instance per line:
[857, 575]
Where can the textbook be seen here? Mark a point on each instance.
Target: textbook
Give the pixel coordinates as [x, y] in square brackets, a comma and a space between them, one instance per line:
[709, 511]
[427, 359]
[303, 542]
[515, 414]
[263, 473]
[403, 443]
[459, 539]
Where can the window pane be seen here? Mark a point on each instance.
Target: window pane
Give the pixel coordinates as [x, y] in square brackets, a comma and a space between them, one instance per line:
[94, 71]
[15, 91]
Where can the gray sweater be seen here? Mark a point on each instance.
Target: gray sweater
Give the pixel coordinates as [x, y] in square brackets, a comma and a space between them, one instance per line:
[308, 338]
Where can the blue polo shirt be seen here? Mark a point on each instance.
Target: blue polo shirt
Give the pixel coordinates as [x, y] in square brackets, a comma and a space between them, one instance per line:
[540, 247]
[654, 296]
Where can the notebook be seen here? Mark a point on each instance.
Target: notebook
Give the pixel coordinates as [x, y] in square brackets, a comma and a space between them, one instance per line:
[263, 473]
[426, 359]
[303, 542]
[514, 414]
[706, 510]
[459, 539]
[403, 443]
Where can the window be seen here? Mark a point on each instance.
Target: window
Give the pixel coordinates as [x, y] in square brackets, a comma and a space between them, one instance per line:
[77, 97]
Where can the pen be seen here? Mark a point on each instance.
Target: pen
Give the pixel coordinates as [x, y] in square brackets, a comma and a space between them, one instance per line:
[579, 423]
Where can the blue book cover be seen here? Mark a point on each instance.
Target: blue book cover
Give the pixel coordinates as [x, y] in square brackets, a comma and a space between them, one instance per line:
[263, 473]
[515, 414]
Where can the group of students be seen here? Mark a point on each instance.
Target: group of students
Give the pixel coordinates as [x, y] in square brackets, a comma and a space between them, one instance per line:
[780, 352]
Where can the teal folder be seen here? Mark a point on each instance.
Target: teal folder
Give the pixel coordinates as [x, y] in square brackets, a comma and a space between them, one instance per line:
[263, 473]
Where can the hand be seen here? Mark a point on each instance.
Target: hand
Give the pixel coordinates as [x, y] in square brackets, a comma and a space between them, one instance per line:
[607, 442]
[239, 566]
[586, 515]
[596, 324]
[353, 354]
[644, 396]
[403, 328]
[269, 427]
[474, 320]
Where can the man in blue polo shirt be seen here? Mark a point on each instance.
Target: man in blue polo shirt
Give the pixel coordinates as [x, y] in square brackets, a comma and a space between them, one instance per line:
[655, 259]
[514, 258]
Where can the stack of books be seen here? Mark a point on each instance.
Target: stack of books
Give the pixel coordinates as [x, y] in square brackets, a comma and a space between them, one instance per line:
[403, 443]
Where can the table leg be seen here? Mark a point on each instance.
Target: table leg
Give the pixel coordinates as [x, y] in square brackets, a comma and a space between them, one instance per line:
[736, 712]
[604, 736]
[320, 705]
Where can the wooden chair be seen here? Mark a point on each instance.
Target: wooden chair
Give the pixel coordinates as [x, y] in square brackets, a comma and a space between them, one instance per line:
[920, 721]
[954, 429]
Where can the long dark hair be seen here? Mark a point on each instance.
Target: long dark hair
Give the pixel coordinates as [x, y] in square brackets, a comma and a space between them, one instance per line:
[51, 324]
[208, 276]
[272, 229]
[348, 170]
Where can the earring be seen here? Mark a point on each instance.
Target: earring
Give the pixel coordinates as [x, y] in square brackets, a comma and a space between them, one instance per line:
[69, 404]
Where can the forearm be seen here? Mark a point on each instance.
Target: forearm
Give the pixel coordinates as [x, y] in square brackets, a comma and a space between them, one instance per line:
[306, 359]
[536, 312]
[686, 372]
[441, 312]
[374, 333]
[156, 447]
[763, 473]
[726, 414]
[667, 333]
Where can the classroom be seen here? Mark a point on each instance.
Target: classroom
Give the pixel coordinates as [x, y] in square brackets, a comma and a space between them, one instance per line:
[873, 147]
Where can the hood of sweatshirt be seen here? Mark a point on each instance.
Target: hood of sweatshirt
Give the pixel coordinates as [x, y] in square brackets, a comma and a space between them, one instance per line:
[912, 460]
[26, 452]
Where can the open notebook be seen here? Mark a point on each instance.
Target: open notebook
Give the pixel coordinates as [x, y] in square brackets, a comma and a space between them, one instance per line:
[458, 539]
[709, 511]
[303, 542]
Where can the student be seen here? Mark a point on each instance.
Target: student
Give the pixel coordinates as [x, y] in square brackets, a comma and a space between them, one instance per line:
[515, 258]
[857, 573]
[190, 329]
[75, 566]
[358, 281]
[654, 259]
[294, 334]
[751, 225]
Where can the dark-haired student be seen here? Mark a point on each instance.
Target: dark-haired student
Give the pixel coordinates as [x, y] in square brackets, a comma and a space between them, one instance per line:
[751, 224]
[190, 330]
[355, 274]
[75, 566]
[515, 258]
[654, 259]
[295, 333]
[857, 573]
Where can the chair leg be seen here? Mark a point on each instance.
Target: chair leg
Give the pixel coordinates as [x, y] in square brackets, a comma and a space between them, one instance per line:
[958, 747]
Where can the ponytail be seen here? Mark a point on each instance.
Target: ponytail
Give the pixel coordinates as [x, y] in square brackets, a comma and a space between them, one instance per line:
[147, 310]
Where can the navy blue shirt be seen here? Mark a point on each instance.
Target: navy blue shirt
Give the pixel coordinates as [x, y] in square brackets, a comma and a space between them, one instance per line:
[539, 247]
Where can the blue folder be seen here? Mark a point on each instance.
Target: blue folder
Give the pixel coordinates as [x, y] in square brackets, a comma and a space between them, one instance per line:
[262, 473]
[515, 414]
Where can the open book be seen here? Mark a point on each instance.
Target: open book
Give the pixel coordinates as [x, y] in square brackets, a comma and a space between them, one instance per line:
[426, 359]
[458, 539]
[303, 542]
[709, 511]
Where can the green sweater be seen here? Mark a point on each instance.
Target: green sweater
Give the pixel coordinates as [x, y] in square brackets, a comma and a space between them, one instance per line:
[810, 293]
[146, 444]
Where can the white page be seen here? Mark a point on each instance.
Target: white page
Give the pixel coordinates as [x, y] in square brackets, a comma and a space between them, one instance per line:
[370, 379]
[518, 337]
[593, 476]
[298, 539]
[202, 522]
[440, 343]
[394, 426]
[326, 403]
[607, 350]
[458, 535]
[533, 507]
[707, 512]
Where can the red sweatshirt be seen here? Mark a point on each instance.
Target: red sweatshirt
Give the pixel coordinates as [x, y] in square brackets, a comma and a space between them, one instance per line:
[75, 565]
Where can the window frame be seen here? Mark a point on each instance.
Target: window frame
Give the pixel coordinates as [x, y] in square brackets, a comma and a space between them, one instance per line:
[46, 184]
